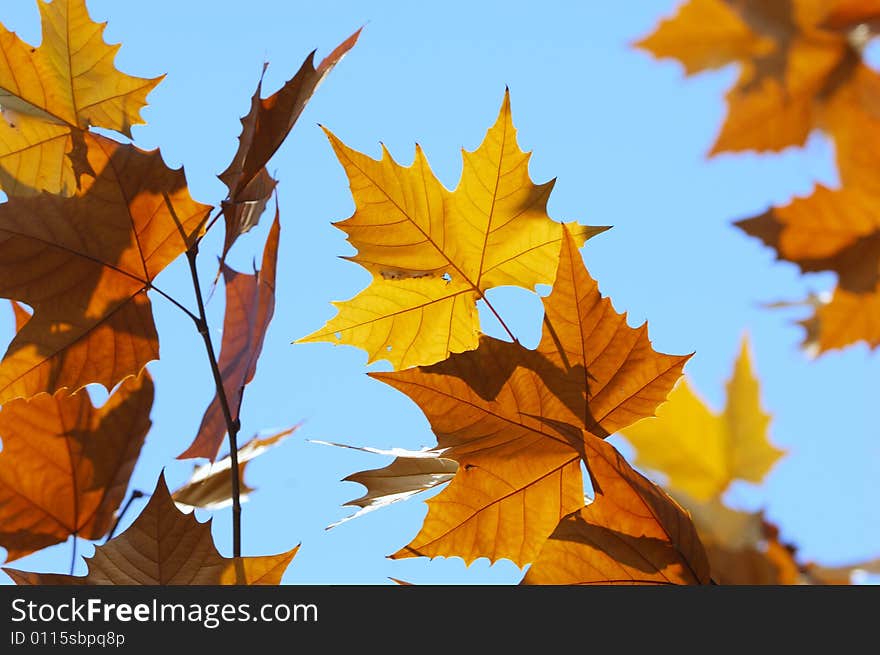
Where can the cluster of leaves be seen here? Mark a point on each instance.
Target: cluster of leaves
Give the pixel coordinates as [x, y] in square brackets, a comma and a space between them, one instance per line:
[802, 69]
[89, 224]
[91, 221]
[514, 426]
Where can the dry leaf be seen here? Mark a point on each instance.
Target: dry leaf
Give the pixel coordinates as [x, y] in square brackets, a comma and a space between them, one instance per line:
[514, 418]
[164, 546]
[838, 231]
[411, 472]
[85, 265]
[65, 465]
[632, 533]
[433, 253]
[210, 485]
[263, 130]
[250, 304]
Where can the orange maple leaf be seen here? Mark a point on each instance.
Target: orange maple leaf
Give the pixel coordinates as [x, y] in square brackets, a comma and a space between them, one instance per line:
[632, 533]
[838, 231]
[85, 265]
[65, 465]
[519, 421]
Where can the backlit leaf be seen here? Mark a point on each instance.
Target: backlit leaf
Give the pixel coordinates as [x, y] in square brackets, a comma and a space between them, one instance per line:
[433, 253]
[85, 265]
[52, 93]
[165, 546]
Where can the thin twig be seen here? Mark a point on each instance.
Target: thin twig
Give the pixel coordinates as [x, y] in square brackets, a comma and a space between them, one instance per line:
[137, 493]
[232, 424]
[73, 554]
[213, 220]
[174, 302]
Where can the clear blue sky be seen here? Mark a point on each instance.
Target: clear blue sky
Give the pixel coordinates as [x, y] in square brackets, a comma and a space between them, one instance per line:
[625, 135]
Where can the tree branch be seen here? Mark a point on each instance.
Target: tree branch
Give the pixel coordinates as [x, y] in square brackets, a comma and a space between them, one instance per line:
[137, 493]
[232, 424]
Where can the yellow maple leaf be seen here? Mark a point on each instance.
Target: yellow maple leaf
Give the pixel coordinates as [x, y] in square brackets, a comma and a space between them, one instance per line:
[433, 253]
[702, 452]
[50, 94]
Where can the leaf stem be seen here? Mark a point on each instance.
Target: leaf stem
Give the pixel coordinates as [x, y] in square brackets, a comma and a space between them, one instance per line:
[498, 316]
[213, 220]
[137, 493]
[232, 424]
[175, 302]
[73, 553]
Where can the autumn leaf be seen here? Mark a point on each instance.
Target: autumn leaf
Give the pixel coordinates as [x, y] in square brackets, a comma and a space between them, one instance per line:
[65, 465]
[85, 265]
[701, 452]
[796, 73]
[250, 304]
[210, 485]
[838, 231]
[767, 563]
[632, 533]
[165, 546]
[844, 14]
[433, 253]
[840, 575]
[411, 472]
[264, 129]
[518, 421]
[743, 547]
[50, 95]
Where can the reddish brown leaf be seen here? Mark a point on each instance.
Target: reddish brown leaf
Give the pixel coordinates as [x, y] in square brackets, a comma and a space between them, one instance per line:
[85, 265]
[264, 129]
[165, 546]
[65, 465]
[250, 304]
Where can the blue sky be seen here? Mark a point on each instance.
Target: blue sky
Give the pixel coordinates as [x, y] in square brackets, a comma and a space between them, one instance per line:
[625, 135]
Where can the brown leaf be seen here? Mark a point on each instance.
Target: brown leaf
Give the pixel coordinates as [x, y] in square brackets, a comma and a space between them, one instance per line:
[632, 533]
[250, 304]
[85, 265]
[411, 472]
[164, 546]
[514, 418]
[265, 127]
[65, 465]
[210, 485]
